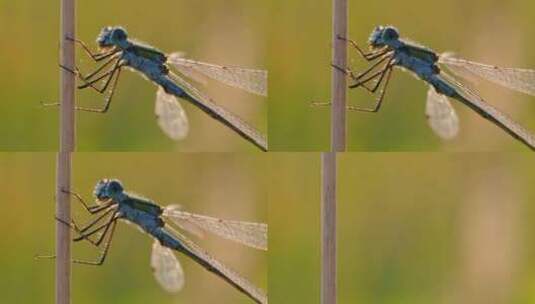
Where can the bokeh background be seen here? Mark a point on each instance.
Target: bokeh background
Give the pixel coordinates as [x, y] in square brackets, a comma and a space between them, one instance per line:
[488, 31]
[294, 228]
[436, 228]
[221, 32]
[230, 186]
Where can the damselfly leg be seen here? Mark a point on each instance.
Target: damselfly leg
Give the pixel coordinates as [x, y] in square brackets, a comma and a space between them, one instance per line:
[113, 78]
[95, 56]
[109, 96]
[379, 101]
[85, 236]
[384, 74]
[97, 70]
[104, 253]
[91, 209]
[91, 78]
[368, 56]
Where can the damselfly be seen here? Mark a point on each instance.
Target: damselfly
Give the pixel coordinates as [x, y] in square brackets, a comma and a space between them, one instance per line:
[120, 51]
[389, 51]
[114, 203]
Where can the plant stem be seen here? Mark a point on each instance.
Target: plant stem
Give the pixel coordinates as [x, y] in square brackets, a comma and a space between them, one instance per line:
[67, 140]
[328, 228]
[328, 159]
[338, 83]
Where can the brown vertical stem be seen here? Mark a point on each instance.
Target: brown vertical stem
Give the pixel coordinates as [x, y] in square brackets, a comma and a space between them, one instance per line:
[328, 159]
[338, 84]
[63, 250]
[67, 139]
[328, 228]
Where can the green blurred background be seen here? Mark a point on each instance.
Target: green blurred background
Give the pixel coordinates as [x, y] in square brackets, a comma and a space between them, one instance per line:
[489, 31]
[436, 228]
[230, 186]
[221, 32]
[294, 228]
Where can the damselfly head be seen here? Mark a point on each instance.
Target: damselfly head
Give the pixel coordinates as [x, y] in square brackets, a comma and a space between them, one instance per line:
[383, 35]
[112, 36]
[108, 189]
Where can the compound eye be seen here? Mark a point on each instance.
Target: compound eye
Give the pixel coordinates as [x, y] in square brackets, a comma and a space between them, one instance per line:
[390, 34]
[115, 187]
[119, 34]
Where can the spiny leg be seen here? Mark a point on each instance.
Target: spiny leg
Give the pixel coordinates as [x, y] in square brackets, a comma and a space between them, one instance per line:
[383, 52]
[112, 53]
[116, 71]
[85, 85]
[376, 54]
[113, 221]
[85, 236]
[378, 83]
[346, 71]
[92, 222]
[104, 252]
[97, 70]
[368, 56]
[361, 82]
[364, 73]
[88, 77]
[387, 68]
[380, 74]
[108, 98]
[351, 74]
[380, 99]
[90, 83]
[109, 74]
[91, 209]
[371, 68]
[95, 56]
[105, 226]
[78, 74]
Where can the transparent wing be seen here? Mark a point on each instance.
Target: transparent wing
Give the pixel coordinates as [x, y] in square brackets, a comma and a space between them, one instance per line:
[171, 116]
[192, 228]
[246, 233]
[189, 71]
[232, 120]
[522, 80]
[166, 268]
[250, 80]
[211, 264]
[441, 115]
[487, 111]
